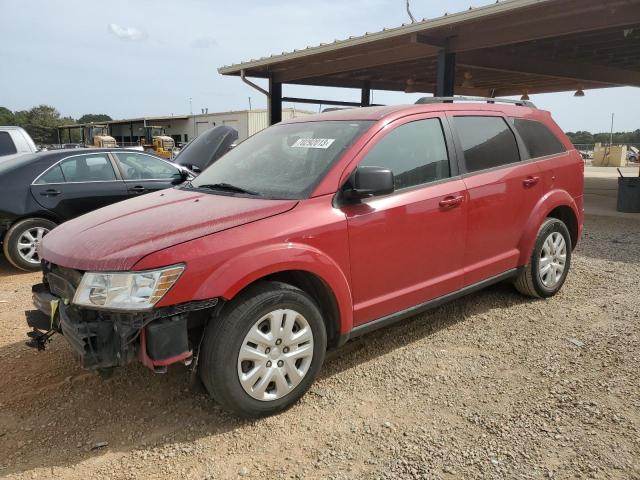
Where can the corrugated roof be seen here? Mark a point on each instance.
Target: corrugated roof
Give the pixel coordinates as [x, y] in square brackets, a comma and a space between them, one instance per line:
[447, 20]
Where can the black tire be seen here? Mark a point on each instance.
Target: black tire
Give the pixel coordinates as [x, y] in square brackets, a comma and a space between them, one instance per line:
[224, 337]
[528, 281]
[10, 242]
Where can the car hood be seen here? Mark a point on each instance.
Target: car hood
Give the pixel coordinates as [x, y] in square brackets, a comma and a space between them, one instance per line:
[118, 236]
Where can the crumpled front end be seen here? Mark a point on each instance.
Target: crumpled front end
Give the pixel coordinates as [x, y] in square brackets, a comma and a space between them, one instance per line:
[105, 339]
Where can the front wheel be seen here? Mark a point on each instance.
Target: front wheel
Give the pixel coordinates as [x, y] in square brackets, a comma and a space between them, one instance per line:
[550, 261]
[264, 351]
[22, 240]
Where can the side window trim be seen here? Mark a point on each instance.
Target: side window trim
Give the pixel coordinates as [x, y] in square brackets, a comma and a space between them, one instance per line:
[522, 152]
[106, 154]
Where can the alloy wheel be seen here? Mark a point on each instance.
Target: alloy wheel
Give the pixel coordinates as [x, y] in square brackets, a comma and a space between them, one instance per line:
[28, 244]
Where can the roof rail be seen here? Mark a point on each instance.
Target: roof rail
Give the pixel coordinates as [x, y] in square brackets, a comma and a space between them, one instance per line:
[521, 103]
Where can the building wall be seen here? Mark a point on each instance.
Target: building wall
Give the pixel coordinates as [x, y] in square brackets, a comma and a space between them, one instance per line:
[246, 122]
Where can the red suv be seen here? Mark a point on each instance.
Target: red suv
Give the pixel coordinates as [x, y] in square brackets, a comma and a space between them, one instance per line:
[310, 233]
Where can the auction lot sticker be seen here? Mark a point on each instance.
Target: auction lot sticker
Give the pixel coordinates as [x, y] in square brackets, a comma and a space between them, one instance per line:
[313, 143]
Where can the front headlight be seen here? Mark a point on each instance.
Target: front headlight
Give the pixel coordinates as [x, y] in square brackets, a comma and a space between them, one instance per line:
[126, 290]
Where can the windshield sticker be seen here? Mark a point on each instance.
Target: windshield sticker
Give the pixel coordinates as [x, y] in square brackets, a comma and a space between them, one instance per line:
[313, 143]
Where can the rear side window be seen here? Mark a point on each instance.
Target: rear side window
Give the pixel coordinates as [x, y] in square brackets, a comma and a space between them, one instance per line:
[487, 142]
[538, 139]
[6, 144]
[88, 168]
[52, 176]
[415, 152]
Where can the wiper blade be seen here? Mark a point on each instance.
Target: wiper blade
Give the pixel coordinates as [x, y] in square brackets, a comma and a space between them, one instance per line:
[227, 187]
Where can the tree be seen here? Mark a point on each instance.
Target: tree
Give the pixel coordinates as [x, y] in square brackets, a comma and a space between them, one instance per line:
[41, 123]
[94, 117]
[6, 117]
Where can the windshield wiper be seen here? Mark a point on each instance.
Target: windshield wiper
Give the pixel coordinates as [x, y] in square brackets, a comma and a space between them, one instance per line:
[227, 187]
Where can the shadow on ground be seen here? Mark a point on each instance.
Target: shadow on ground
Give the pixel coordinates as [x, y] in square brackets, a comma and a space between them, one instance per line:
[8, 270]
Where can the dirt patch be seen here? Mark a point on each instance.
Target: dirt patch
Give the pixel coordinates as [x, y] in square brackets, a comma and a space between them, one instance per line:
[491, 386]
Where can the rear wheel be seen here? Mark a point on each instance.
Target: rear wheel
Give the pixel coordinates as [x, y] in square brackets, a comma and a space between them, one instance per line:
[550, 261]
[22, 240]
[265, 350]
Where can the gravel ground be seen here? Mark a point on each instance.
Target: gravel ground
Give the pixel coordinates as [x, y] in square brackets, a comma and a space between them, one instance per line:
[491, 386]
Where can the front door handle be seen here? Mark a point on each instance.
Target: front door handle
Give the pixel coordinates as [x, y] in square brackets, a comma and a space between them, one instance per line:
[451, 201]
[138, 189]
[530, 181]
[50, 192]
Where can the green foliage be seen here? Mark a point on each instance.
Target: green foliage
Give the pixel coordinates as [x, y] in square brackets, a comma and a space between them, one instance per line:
[619, 138]
[94, 117]
[6, 117]
[41, 124]
[42, 121]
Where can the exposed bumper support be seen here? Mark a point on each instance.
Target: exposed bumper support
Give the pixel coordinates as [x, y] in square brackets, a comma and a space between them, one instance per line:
[105, 339]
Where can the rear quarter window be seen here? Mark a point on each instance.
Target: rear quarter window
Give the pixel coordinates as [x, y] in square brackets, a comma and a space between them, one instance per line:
[54, 175]
[6, 144]
[537, 138]
[487, 142]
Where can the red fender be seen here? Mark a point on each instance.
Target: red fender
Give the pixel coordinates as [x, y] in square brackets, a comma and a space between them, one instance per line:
[234, 275]
[546, 204]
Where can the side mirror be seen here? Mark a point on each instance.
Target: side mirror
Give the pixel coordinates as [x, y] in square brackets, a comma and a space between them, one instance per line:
[179, 177]
[369, 182]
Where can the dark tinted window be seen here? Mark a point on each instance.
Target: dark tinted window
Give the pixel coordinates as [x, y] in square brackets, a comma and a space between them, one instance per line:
[88, 168]
[52, 176]
[415, 152]
[487, 142]
[538, 138]
[6, 144]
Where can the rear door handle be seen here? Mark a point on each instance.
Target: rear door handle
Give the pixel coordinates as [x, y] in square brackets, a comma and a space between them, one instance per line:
[451, 201]
[50, 192]
[138, 189]
[530, 181]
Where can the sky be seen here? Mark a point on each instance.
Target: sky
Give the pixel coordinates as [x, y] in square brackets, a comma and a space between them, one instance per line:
[132, 58]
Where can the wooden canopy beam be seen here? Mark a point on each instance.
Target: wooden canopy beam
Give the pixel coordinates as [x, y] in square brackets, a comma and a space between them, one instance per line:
[549, 68]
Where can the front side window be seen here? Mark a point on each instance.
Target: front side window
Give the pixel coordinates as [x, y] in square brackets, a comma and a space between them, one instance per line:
[6, 144]
[415, 152]
[538, 139]
[88, 168]
[487, 142]
[285, 161]
[136, 166]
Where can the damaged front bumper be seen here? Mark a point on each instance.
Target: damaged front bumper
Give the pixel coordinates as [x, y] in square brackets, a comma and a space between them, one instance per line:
[105, 339]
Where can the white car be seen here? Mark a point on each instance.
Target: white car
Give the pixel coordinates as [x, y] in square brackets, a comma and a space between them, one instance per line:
[15, 141]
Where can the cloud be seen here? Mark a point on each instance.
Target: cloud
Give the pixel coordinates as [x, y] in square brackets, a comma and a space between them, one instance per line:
[127, 33]
[204, 42]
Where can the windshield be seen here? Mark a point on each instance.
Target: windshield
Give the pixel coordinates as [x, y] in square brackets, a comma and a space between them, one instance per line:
[284, 161]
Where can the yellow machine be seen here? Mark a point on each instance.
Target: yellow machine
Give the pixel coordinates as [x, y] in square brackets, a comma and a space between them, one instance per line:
[155, 140]
[98, 136]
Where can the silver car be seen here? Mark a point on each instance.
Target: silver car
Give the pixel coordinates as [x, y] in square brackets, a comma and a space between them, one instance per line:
[15, 140]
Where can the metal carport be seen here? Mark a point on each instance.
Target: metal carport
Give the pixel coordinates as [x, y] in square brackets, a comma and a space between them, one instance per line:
[512, 47]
